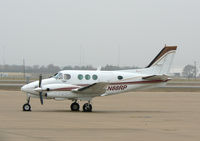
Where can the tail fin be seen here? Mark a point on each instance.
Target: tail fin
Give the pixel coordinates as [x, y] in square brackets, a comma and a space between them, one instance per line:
[161, 64]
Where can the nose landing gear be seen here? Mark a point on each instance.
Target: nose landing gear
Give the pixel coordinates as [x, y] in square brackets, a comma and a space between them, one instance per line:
[27, 106]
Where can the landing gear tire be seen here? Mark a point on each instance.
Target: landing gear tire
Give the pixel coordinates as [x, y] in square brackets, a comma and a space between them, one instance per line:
[75, 106]
[26, 107]
[87, 107]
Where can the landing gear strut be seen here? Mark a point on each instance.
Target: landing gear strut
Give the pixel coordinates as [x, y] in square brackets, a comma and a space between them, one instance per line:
[87, 107]
[27, 106]
[75, 106]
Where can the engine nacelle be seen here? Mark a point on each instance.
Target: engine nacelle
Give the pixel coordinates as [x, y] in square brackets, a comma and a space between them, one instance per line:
[59, 87]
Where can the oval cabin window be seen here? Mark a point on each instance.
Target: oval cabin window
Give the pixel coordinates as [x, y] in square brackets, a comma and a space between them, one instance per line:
[80, 76]
[87, 77]
[120, 77]
[94, 77]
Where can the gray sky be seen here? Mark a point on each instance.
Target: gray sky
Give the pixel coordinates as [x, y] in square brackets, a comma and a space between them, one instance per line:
[53, 31]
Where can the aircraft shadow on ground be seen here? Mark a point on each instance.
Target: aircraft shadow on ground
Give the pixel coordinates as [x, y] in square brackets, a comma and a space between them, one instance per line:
[106, 112]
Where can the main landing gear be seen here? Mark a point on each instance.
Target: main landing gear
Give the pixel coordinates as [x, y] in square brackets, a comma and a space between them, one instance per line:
[75, 106]
[87, 107]
[27, 106]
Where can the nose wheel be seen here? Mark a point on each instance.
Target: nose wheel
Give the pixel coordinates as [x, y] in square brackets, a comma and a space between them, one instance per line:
[27, 106]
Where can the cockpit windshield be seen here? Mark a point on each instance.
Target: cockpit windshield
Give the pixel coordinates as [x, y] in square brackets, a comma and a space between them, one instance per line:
[58, 76]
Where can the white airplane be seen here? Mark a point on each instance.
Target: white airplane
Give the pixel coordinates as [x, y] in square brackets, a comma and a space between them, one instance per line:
[85, 85]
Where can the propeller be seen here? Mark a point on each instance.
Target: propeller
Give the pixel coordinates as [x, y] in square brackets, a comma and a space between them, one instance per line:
[40, 83]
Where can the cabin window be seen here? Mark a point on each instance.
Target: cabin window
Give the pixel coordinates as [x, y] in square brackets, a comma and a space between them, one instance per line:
[94, 77]
[87, 77]
[67, 76]
[80, 76]
[120, 77]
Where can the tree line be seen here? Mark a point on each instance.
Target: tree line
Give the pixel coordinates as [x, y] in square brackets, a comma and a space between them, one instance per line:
[189, 71]
[53, 68]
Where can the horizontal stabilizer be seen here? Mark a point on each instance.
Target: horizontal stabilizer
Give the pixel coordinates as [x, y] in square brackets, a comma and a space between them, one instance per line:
[96, 88]
[156, 77]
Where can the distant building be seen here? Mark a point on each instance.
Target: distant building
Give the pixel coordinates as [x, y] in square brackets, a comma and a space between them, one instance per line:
[3, 75]
[176, 71]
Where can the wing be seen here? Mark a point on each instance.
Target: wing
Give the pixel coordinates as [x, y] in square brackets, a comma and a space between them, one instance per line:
[156, 77]
[96, 88]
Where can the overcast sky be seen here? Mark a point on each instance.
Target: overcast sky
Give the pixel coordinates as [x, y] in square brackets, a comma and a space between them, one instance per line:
[56, 31]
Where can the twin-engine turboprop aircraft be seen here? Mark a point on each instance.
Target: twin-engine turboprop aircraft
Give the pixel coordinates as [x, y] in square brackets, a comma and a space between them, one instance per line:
[85, 85]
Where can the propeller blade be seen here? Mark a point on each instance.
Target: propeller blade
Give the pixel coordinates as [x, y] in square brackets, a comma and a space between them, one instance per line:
[40, 80]
[40, 83]
[41, 98]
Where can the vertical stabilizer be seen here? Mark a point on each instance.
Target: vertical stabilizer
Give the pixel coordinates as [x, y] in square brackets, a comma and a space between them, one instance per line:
[161, 64]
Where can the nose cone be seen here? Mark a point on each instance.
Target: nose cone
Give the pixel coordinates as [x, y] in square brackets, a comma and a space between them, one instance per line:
[24, 88]
[29, 88]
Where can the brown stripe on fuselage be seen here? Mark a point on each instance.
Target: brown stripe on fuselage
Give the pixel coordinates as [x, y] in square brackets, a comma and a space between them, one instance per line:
[162, 52]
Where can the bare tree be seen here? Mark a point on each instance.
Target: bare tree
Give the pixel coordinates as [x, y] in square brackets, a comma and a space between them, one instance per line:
[189, 71]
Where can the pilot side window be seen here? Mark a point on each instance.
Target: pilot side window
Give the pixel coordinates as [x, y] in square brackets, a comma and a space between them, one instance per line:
[67, 76]
[59, 76]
